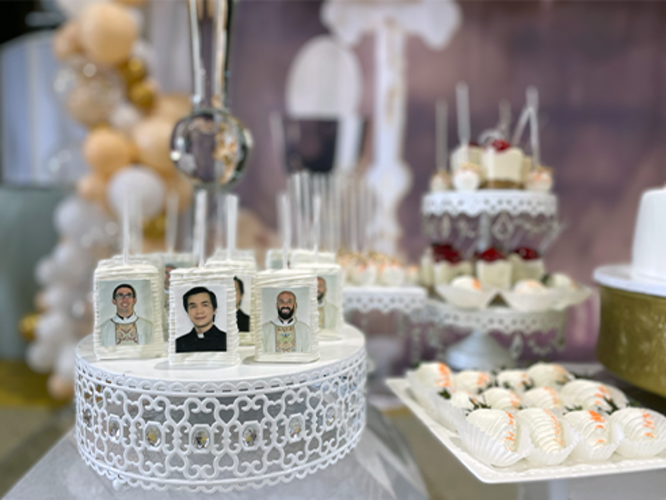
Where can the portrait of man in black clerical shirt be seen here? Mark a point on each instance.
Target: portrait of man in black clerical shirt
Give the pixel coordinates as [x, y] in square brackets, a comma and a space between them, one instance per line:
[201, 306]
[242, 319]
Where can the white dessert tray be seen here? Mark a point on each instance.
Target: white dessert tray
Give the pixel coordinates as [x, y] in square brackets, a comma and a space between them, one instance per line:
[521, 472]
[620, 277]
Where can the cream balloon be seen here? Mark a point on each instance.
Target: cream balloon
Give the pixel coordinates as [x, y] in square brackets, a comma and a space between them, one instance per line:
[46, 271]
[172, 106]
[59, 387]
[152, 137]
[137, 183]
[92, 187]
[66, 40]
[106, 150]
[75, 217]
[125, 117]
[41, 356]
[55, 327]
[108, 33]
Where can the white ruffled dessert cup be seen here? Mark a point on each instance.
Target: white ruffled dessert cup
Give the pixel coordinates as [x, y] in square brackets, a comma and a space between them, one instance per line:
[572, 297]
[594, 446]
[490, 451]
[447, 413]
[423, 394]
[652, 423]
[466, 298]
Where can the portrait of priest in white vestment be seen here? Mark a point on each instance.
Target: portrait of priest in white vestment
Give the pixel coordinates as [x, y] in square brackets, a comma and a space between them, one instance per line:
[284, 333]
[125, 327]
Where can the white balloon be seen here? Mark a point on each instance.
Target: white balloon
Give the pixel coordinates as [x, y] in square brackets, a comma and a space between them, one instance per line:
[139, 184]
[124, 117]
[46, 271]
[58, 296]
[55, 327]
[74, 263]
[75, 218]
[41, 356]
[137, 15]
[65, 361]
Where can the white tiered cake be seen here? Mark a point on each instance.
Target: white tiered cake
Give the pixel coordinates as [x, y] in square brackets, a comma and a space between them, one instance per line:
[647, 256]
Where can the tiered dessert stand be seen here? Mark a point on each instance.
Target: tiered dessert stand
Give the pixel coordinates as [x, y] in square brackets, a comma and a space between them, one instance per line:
[146, 423]
[478, 220]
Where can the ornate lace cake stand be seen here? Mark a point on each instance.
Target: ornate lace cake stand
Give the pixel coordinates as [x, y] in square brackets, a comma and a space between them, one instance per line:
[503, 217]
[384, 299]
[499, 335]
[146, 423]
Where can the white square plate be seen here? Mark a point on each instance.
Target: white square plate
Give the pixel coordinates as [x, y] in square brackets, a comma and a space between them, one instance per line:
[521, 472]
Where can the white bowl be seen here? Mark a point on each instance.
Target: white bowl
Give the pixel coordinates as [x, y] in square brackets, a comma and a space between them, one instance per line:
[464, 298]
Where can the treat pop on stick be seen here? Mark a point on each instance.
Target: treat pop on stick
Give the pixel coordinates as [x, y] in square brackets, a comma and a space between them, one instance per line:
[504, 124]
[232, 222]
[201, 203]
[171, 230]
[441, 153]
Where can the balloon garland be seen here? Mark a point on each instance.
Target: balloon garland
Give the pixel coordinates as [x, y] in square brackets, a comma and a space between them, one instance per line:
[105, 85]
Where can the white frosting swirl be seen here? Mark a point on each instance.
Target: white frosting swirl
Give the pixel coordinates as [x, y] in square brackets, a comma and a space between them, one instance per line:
[501, 399]
[549, 375]
[499, 425]
[516, 380]
[545, 430]
[638, 424]
[542, 397]
[592, 426]
[472, 381]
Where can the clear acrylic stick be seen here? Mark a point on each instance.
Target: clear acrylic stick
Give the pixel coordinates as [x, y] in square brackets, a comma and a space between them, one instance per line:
[462, 108]
[200, 209]
[126, 230]
[232, 223]
[284, 215]
[220, 222]
[532, 95]
[441, 132]
[171, 230]
[316, 225]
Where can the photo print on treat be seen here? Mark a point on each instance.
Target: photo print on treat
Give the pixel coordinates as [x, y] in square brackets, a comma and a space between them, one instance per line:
[285, 323]
[128, 311]
[328, 301]
[243, 289]
[285, 320]
[202, 317]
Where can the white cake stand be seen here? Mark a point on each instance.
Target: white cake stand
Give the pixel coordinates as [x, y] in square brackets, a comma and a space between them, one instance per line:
[146, 423]
[479, 350]
[384, 299]
[501, 217]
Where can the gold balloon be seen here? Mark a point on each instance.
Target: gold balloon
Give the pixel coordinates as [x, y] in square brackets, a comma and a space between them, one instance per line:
[152, 137]
[142, 94]
[92, 187]
[108, 33]
[133, 70]
[180, 185]
[106, 150]
[155, 227]
[172, 106]
[66, 40]
[27, 326]
[91, 101]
